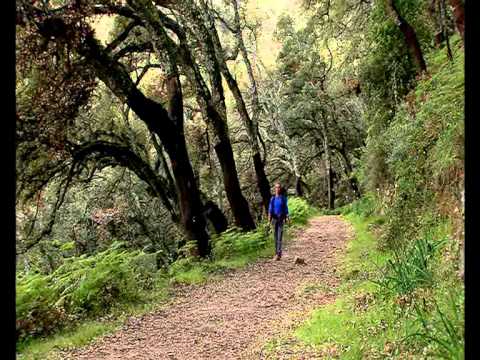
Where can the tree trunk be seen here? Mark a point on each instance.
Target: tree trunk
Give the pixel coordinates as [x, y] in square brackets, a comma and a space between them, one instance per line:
[331, 191]
[215, 116]
[443, 16]
[116, 77]
[328, 166]
[410, 36]
[262, 180]
[298, 186]
[191, 207]
[436, 15]
[348, 171]
[240, 208]
[223, 147]
[215, 216]
[252, 124]
[459, 14]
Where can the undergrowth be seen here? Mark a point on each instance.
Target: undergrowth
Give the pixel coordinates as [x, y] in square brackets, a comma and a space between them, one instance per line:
[89, 296]
[392, 304]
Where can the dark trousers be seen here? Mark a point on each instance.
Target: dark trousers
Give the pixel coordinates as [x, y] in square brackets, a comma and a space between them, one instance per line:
[277, 234]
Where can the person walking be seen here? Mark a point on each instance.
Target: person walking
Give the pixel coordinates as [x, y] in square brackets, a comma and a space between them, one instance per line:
[277, 214]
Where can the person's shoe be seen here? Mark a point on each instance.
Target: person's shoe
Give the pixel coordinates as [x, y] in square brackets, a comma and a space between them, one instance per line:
[277, 257]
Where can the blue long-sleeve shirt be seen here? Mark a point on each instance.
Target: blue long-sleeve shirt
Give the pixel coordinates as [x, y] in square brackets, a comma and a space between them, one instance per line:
[278, 206]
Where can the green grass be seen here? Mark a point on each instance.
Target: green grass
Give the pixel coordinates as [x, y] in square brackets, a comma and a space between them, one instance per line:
[80, 335]
[194, 276]
[362, 254]
[358, 322]
[369, 321]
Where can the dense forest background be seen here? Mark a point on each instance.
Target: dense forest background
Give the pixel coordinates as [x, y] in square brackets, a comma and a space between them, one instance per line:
[146, 129]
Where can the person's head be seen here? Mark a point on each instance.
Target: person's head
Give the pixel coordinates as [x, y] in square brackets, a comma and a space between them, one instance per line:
[278, 189]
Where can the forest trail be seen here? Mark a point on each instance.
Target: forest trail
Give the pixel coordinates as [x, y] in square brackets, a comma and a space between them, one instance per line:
[232, 318]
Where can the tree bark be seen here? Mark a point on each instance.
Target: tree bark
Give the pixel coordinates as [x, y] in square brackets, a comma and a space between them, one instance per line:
[443, 16]
[348, 171]
[214, 112]
[262, 180]
[436, 15]
[242, 215]
[251, 127]
[459, 14]
[216, 217]
[328, 166]
[169, 130]
[298, 186]
[410, 36]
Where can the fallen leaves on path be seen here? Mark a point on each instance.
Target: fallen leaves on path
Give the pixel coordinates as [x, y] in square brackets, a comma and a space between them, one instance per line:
[232, 318]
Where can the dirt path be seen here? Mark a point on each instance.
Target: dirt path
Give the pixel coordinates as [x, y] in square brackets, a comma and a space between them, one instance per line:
[233, 317]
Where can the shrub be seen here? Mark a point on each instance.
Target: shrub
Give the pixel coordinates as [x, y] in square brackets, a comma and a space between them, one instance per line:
[364, 207]
[300, 211]
[413, 267]
[234, 243]
[36, 310]
[444, 329]
[82, 286]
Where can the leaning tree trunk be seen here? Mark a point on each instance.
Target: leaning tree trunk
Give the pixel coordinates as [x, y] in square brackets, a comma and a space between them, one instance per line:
[443, 16]
[162, 43]
[262, 180]
[298, 186]
[459, 14]
[239, 204]
[214, 112]
[116, 77]
[410, 36]
[252, 125]
[190, 203]
[436, 15]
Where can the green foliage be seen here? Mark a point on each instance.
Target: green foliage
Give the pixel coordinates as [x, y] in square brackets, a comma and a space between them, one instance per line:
[424, 142]
[233, 242]
[445, 329]
[83, 286]
[370, 321]
[364, 207]
[387, 75]
[412, 268]
[300, 211]
[230, 249]
[36, 312]
[413, 162]
[183, 274]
